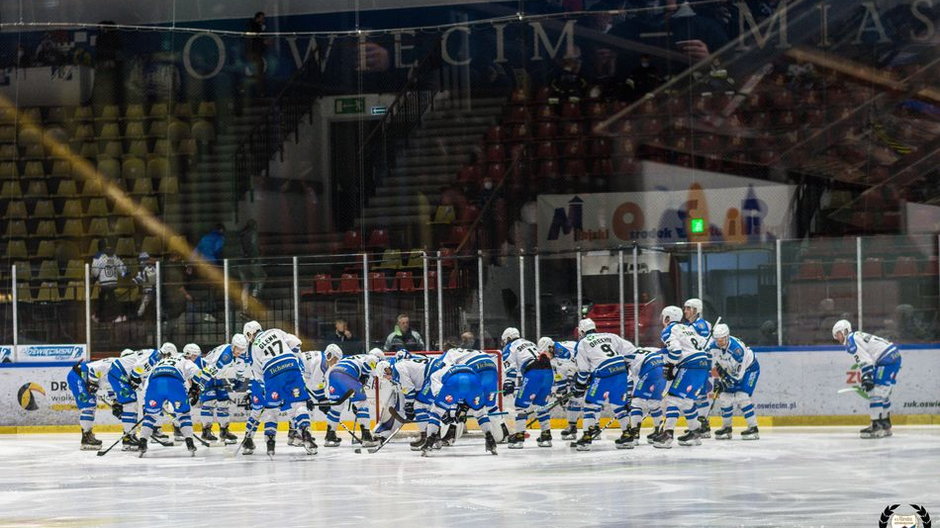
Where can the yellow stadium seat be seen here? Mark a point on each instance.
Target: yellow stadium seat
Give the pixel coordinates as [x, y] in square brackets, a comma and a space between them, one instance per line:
[84, 113]
[157, 129]
[74, 291]
[9, 170]
[71, 209]
[66, 189]
[16, 211]
[182, 110]
[16, 249]
[112, 149]
[92, 188]
[99, 227]
[203, 131]
[177, 130]
[142, 186]
[29, 135]
[150, 204]
[8, 152]
[161, 148]
[45, 229]
[48, 270]
[37, 189]
[110, 112]
[126, 247]
[109, 168]
[48, 292]
[135, 112]
[138, 148]
[7, 115]
[135, 129]
[24, 271]
[34, 152]
[133, 168]
[43, 209]
[73, 228]
[124, 226]
[206, 109]
[158, 168]
[169, 185]
[56, 114]
[34, 169]
[46, 249]
[97, 207]
[24, 293]
[109, 131]
[94, 247]
[16, 229]
[84, 132]
[11, 190]
[74, 270]
[61, 168]
[89, 149]
[151, 245]
[159, 110]
[7, 134]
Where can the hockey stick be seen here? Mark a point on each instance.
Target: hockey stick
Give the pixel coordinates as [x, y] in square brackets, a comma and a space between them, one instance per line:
[856, 389]
[123, 436]
[352, 434]
[348, 394]
[558, 401]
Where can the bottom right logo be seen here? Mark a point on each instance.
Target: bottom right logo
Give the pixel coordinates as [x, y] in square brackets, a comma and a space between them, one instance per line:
[919, 519]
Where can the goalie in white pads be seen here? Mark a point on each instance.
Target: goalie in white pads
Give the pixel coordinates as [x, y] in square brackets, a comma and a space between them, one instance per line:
[532, 370]
[879, 361]
[738, 371]
[601, 359]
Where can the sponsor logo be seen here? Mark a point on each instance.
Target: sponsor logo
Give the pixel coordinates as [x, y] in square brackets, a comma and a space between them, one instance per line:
[275, 396]
[449, 399]
[919, 519]
[30, 396]
[532, 397]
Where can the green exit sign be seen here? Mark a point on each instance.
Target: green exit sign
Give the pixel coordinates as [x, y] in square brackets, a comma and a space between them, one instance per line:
[350, 105]
[697, 226]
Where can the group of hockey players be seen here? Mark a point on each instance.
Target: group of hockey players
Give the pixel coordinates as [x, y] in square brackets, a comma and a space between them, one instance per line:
[439, 393]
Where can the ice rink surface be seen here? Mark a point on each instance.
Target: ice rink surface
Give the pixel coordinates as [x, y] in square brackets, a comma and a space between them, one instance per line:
[797, 476]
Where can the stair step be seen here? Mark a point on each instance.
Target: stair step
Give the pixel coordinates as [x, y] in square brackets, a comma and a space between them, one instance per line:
[455, 160]
[450, 168]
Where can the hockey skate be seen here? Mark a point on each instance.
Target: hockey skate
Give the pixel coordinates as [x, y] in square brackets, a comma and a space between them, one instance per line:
[545, 439]
[516, 441]
[750, 434]
[705, 428]
[367, 438]
[724, 433]
[690, 438]
[207, 434]
[872, 431]
[490, 443]
[663, 439]
[589, 435]
[177, 434]
[885, 425]
[450, 437]
[506, 433]
[570, 432]
[161, 438]
[226, 436]
[433, 441]
[293, 438]
[270, 444]
[309, 444]
[416, 444]
[130, 443]
[89, 442]
[191, 447]
[248, 445]
[627, 439]
[331, 439]
[142, 447]
[650, 438]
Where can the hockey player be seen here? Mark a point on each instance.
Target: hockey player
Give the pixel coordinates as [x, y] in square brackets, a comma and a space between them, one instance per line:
[219, 365]
[167, 386]
[532, 371]
[409, 375]
[125, 377]
[275, 361]
[648, 385]
[879, 361]
[352, 373]
[563, 363]
[83, 381]
[600, 357]
[738, 371]
[484, 365]
[255, 396]
[315, 365]
[687, 368]
[692, 310]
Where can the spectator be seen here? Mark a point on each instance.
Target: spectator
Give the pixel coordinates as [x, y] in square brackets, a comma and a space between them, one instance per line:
[251, 272]
[255, 49]
[211, 244]
[468, 340]
[403, 336]
[146, 279]
[341, 331]
[107, 268]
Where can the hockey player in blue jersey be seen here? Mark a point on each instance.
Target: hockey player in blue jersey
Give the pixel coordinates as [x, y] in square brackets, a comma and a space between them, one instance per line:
[219, 365]
[83, 380]
[532, 371]
[879, 361]
[692, 310]
[601, 360]
[687, 367]
[566, 370]
[408, 375]
[166, 388]
[125, 378]
[353, 373]
[647, 387]
[738, 371]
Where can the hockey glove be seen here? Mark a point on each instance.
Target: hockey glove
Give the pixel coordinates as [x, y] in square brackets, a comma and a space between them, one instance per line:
[134, 382]
[310, 405]
[461, 416]
[117, 409]
[410, 410]
[324, 409]
[91, 387]
[867, 383]
[721, 385]
[194, 394]
[579, 390]
[246, 403]
[509, 386]
[669, 372]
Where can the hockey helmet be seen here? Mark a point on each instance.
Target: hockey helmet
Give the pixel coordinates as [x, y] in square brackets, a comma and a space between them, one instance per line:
[191, 351]
[509, 334]
[671, 314]
[377, 353]
[127, 352]
[841, 326]
[586, 325]
[251, 329]
[333, 351]
[695, 304]
[240, 342]
[721, 331]
[168, 350]
[546, 345]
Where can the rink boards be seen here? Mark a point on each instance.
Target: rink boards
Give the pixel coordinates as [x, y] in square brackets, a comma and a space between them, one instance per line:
[797, 385]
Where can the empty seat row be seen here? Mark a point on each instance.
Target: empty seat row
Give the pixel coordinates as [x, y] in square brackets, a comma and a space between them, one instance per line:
[872, 267]
[402, 281]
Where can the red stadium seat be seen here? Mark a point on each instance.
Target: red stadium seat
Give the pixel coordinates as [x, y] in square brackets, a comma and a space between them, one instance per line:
[842, 269]
[495, 153]
[378, 283]
[546, 150]
[494, 134]
[349, 283]
[351, 240]
[469, 174]
[518, 114]
[378, 239]
[905, 267]
[545, 113]
[810, 270]
[323, 284]
[406, 282]
[872, 268]
[570, 110]
[546, 130]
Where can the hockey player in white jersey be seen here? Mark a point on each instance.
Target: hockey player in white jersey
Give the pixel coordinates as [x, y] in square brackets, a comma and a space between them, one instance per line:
[353, 373]
[738, 372]
[879, 361]
[166, 386]
[687, 368]
[408, 375]
[83, 380]
[219, 364]
[647, 385]
[601, 359]
[530, 370]
[315, 365]
[125, 378]
[692, 310]
[566, 370]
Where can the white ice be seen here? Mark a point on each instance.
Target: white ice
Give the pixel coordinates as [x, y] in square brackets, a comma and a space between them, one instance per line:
[790, 477]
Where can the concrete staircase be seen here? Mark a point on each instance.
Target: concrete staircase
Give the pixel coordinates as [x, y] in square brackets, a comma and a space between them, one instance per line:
[437, 149]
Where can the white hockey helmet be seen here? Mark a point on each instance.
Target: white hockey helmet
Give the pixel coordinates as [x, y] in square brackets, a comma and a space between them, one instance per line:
[384, 368]
[842, 326]
[378, 354]
[240, 341]
[191, 351]
[333, 351]
[127, 352]
[546, 344]
[586, 325]
[168, 349]
[721, 331]
[509, 334]
[695, 304]
[671, 314]
[251, 329]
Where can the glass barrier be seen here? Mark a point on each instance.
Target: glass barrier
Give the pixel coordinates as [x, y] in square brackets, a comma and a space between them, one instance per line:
[331, 302]
[459, 299]
[558, 288]
[740, 285]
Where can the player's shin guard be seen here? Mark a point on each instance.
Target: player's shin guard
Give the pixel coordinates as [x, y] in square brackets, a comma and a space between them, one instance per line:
[672, 412]
[186, 425]
[522, 417]
[129, 416]
[590, 414]
[545, 418]
[434, 421]
[87, 418]
[149, 424]
[362, 416]
[622, 415]
[206, 414]
[222, 414]
[421, 417]
[690, 411]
